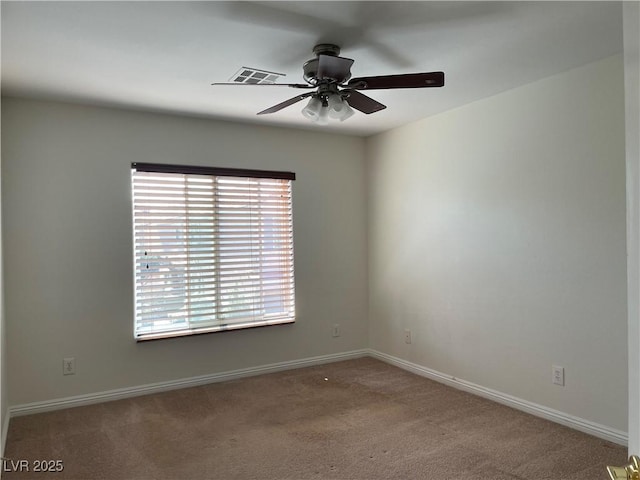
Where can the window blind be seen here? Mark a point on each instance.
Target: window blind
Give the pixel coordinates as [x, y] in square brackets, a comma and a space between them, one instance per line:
[213, 249]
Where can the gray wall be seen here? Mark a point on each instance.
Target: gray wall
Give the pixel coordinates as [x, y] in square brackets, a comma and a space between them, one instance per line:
[497, 236]
[68, 245]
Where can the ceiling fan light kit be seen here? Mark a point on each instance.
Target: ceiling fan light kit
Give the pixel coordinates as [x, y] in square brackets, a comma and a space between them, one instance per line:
[336, 94]
[320, 109]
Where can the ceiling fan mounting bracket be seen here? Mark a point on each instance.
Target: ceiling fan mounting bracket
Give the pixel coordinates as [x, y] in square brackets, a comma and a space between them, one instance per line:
[326, 49]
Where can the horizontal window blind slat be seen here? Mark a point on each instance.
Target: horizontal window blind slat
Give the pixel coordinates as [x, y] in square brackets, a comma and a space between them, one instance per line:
[257, 202]
[184, 297]
[226, 260]
[148, 292]
[181, 195]
[205, 243]
[210, 278]
[150, 269]
[199, 274]
[174, 310]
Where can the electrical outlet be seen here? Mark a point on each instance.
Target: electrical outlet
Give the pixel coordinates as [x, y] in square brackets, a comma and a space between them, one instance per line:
[557, 375]
[336, 330]
[69, 366]
[407, 336]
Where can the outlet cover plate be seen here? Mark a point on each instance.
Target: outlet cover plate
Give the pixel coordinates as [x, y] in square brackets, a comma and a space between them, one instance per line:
[69, 366]
[557, 375]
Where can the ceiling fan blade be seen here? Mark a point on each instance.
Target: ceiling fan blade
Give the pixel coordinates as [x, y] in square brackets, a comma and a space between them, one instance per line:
[363, 103]
[409, 80]
[285, 104]
[332, 67]
[291, 85]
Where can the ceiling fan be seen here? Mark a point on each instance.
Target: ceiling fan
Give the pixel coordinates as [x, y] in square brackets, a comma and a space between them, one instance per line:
[335, 93]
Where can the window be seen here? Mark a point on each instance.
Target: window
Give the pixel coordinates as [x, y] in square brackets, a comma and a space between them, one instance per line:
[213, 249]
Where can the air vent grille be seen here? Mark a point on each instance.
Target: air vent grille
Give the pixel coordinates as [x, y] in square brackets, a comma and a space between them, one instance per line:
[253, 75]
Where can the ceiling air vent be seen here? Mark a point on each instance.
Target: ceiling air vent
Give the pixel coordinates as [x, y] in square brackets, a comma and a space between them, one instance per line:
[253, 75]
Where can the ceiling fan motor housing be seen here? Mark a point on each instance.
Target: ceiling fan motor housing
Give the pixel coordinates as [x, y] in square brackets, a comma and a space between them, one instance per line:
[310, 68]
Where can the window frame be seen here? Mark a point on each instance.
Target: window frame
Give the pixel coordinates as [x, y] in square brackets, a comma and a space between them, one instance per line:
[287, 292]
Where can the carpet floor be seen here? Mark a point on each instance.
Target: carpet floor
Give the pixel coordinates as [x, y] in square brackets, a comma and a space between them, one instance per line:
[357, 419]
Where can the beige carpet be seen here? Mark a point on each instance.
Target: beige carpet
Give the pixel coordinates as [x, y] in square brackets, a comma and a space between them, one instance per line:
[359, 419]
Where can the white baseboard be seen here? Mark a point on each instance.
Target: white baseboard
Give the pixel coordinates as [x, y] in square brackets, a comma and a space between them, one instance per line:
[120, 393]
[586, 426]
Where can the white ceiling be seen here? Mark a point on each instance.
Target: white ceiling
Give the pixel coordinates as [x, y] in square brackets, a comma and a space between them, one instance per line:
[163, 56]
